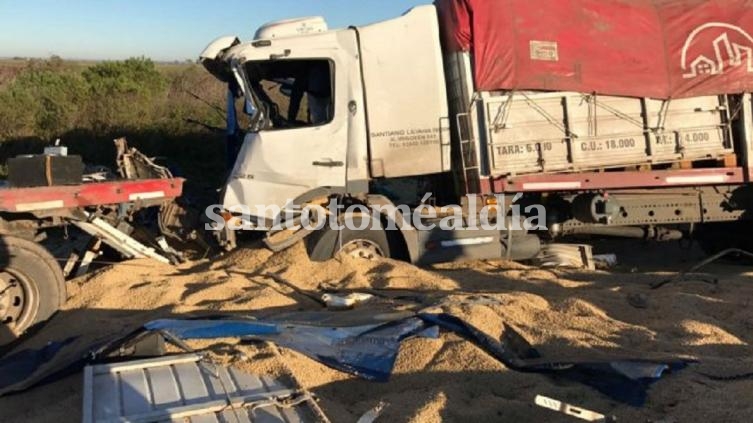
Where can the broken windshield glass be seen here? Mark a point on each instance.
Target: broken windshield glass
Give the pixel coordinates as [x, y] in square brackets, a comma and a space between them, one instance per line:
[292, 93]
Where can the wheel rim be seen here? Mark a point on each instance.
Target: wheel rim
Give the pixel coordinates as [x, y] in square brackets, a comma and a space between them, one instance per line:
[362, 249]
[19, 301]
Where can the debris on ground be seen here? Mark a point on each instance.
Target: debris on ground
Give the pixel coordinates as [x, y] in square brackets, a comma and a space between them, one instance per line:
[624, 380]
[605, 261]
[576, 256]
[373, 414]
[347, 301]
[571, 410]
[561, 313]
[189, 388]
[368, 349]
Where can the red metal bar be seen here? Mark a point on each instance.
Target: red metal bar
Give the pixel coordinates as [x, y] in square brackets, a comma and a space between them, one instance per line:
[86, 195]
[613, 180]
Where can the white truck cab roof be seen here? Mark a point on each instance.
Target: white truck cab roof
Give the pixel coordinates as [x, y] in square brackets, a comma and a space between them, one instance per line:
[291, 28]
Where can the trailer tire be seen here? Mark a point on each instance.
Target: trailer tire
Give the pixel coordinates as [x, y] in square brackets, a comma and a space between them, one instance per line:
[32, 286]
[367, 244]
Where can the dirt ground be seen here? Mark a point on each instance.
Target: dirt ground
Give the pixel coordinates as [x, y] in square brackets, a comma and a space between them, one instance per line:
[564, 313]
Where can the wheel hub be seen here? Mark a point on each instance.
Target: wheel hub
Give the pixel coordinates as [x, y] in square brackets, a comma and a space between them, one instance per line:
[362, 249]
[18, 301]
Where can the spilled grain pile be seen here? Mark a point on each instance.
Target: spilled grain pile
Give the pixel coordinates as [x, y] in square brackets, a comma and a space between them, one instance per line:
[564, 314]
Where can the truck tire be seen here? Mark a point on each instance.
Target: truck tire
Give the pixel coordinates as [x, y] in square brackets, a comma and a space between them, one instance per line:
[366, 244]
[32, 286]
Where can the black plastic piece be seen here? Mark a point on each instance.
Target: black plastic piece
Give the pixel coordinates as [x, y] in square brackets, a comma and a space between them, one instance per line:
[43, 171]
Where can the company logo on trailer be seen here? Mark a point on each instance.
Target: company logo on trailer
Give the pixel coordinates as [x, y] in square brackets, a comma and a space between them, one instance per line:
[722, 45]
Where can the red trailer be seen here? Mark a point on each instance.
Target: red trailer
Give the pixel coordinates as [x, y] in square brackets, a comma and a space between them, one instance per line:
[624, 118]
[32, 276]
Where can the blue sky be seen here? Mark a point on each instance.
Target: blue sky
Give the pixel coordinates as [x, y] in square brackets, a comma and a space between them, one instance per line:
[160, 29]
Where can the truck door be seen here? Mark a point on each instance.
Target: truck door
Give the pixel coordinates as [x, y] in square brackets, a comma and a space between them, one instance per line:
[307, 92]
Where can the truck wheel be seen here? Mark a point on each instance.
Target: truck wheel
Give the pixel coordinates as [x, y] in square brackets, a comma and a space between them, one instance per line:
[32, 286]
[365, 244]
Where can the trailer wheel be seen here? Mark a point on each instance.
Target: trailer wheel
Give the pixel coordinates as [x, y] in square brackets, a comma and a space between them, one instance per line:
[365, 244]
[32, 286]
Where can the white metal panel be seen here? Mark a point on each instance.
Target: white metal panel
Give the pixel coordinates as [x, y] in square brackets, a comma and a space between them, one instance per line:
[118, 240]
[406, 95]
[187, 389]
[690, 128]
[291, 28]
[609, 131]
[358, 150]
[563, 132]
[527, 134]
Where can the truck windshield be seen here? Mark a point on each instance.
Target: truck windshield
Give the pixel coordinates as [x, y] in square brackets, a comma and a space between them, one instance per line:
[293, 93]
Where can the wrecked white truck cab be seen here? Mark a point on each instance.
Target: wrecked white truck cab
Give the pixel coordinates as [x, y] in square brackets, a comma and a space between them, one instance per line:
[358, 136]
[375, 107]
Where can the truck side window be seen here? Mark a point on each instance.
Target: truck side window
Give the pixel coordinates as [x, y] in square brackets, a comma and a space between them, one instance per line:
[295, 93]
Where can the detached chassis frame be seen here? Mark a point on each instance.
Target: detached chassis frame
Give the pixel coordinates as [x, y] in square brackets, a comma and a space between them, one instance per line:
[24, 210]
[60, 200]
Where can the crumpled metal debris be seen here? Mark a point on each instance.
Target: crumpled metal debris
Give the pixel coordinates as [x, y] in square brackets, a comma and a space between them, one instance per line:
[571, 410]
[576, 256]
[367, 349]
[605, 261]
[626, 381]
[373, 414]
[344, 302]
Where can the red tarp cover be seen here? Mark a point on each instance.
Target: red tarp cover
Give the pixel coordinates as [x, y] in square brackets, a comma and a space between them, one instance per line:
[639, 48]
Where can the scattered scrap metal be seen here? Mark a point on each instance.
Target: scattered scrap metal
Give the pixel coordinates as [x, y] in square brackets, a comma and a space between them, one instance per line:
[572, 410]
[362, 344]
[578, 256]
[373, 414]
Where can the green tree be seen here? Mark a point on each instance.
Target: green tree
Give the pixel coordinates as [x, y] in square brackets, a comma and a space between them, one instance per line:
[42, 101]
[124, 94]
